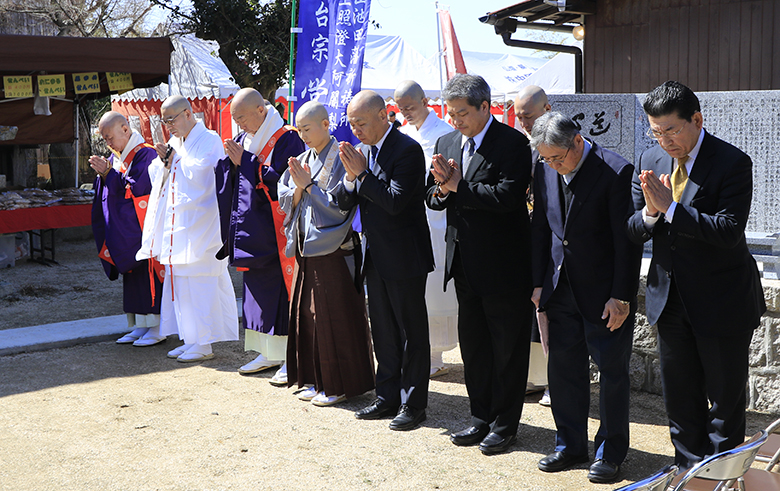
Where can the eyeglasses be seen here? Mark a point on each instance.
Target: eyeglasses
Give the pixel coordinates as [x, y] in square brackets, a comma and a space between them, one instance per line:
[555, 161]
[171, 120]
[654, 135]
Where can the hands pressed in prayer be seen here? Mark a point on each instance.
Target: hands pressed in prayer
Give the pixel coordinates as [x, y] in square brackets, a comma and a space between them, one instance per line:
[657, 192]
[100, 164]
[300, 173]
[234, 151]
[446, 174]
[165, 152]
[353, 159]
[616, 312]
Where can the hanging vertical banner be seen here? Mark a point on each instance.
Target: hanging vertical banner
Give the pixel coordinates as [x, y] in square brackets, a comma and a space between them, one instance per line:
[452, 53]
[329, 62]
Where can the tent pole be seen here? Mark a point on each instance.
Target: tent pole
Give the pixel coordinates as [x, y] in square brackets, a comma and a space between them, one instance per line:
[441, 54]
[290, 71]
[76, 141]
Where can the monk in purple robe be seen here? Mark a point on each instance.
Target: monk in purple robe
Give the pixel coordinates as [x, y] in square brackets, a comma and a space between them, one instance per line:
[121, 193]
[259, 152]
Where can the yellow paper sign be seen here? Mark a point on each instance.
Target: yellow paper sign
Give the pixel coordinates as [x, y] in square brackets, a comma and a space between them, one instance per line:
[119, 81]
[18, 86]
[51, 85]
[86, 83]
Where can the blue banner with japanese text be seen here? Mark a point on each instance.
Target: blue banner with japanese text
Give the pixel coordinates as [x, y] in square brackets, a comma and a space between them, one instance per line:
[329, 62]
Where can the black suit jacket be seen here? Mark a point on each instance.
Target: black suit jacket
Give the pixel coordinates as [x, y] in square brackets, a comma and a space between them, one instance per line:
[704, 247]
[392, 208]
[487, 217]
[590, 241]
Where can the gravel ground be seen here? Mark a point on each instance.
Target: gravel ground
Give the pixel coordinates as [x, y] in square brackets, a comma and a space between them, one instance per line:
[113, 417]
[32, 293]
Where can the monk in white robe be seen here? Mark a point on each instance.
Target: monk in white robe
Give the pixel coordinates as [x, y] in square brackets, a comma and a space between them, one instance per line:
[182, 230]
[425, 127]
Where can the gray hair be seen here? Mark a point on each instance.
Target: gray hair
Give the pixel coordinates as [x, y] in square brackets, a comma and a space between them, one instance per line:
[553, 129]
[473, 88]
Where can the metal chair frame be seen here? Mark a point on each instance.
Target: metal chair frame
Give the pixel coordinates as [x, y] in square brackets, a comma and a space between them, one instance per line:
[657, 482]
[727, 467]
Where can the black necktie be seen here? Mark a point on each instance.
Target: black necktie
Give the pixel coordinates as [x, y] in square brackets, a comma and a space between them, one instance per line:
[372, 161]
[467, 155]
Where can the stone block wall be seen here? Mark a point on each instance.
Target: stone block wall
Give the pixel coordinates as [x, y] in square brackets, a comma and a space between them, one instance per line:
[764, 378]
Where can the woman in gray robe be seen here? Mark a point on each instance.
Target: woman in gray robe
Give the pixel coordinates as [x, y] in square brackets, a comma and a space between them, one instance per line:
[329, 347]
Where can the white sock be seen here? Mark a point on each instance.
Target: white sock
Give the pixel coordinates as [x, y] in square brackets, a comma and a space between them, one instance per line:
[436, 360]
[139, 332]
[203, 349]
[152, 332]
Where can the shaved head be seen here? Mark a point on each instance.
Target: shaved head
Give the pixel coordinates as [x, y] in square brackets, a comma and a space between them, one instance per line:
[112, 118]
[249, 97]
[248, 110]
[530, 103]
[177, 115]
[412, 103]
[366, 100]
[313, 111]
[115, 130]
[409, 88]
[533, 94]
[176, 103]
[367, 115]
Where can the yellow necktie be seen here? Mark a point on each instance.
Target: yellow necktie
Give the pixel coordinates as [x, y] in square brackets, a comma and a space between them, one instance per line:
[679, 178]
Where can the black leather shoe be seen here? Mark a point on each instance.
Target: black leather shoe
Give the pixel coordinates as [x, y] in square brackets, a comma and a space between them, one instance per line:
[602, 471]
[495, 443]
[407, 419]
[470, 436]
[558, 461]
[377, 409]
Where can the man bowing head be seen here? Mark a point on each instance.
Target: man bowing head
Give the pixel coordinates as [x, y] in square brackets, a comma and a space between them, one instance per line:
[384, 176]
[246, 184]
[181, 230]
[480, 174]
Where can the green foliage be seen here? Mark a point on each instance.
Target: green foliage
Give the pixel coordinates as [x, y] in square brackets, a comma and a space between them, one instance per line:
[254, 37]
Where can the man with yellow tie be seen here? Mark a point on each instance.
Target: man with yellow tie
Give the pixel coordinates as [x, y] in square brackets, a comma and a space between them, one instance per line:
[692, 196]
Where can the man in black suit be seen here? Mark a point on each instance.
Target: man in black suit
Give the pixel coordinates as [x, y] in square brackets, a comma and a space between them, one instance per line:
[483, 169]
[390, 190]
[692, 196]
[586, 275]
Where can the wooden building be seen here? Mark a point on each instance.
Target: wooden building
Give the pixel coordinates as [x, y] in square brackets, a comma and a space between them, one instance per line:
[631, 46]
[708, 45]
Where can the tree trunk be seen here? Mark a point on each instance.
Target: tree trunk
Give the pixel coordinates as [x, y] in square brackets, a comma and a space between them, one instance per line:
[62, 162]
[25, 170]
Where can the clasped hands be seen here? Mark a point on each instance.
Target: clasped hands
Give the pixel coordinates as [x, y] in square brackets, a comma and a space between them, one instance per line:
[657, 192]
[234, 151]
[353, 159]
[162, 152]
[446, 174]
[100, 164]
[300, 173]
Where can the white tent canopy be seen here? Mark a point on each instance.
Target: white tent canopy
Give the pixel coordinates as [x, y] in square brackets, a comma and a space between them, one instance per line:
[197, 72]
[555, 77]
[504, 73]
[389, 60]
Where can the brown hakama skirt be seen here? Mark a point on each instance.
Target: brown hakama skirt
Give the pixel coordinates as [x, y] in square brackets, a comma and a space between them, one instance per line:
[329, 344]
